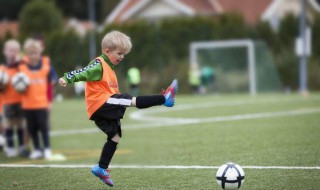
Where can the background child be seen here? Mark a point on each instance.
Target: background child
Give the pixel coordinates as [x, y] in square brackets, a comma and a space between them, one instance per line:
[12, 101]
[134, 79]
[105, 105]
[51, 82]
[35, 100]
[53, 75]
[2, 139]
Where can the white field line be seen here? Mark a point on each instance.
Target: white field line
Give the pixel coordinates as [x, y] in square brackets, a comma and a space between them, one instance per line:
[220, 104]
[182, 121]
[72, 132]
[154, 166]
[154, 122]
[146, 125]
[164, 121]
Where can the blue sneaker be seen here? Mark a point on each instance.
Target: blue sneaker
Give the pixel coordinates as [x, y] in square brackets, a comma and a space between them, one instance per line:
[102, 174]
[170, 93]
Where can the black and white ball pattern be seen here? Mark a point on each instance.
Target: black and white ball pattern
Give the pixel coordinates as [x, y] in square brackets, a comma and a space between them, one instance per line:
[230, 176]
[4, 80]
[20, 82]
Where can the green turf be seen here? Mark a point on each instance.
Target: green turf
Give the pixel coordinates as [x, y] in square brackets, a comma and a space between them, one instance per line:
[290, 140]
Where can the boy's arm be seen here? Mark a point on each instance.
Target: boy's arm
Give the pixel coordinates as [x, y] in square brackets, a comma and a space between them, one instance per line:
[93, 72]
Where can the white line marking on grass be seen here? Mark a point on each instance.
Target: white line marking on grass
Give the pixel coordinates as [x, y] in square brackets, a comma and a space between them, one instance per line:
[71, 132]
[154, 167]
[155, 122]
[166, 121]
[140, 114]
[150, 121]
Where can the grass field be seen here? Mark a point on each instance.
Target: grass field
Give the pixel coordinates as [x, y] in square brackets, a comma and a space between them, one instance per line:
[266, 130]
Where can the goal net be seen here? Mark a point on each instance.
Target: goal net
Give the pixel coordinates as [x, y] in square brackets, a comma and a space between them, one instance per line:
[239, 65]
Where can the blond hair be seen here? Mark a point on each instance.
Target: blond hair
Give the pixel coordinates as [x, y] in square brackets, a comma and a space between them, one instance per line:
[32, 43]
[116, 40]
[12, 43]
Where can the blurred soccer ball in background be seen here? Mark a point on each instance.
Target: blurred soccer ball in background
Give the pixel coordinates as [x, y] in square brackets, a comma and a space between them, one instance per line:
[2, 143]
[20, 82]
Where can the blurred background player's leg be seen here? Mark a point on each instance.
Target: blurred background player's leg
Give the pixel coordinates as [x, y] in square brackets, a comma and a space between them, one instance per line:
[32, 126]
[13, 114]
[2, 139]
[17, 120]
[9, 133]
[37, 121]
[43, 116]
[26, 140]
[22, 133]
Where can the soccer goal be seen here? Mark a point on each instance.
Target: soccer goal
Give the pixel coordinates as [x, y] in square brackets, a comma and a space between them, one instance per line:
[239, 65]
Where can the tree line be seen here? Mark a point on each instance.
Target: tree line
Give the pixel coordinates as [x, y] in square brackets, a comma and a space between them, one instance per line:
[161, 49]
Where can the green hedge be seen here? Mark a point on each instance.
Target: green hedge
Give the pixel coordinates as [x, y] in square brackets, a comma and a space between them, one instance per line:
[161, 50]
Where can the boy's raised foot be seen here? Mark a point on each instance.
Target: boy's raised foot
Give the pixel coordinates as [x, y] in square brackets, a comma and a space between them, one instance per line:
[102, 174]
[169, 93]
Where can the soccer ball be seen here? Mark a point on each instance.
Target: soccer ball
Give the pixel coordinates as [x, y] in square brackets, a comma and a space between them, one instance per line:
[4, 80]
[230, 176]
[20, 82]
[2, 142]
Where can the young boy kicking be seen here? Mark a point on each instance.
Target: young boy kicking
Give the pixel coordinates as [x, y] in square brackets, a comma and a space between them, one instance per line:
[105, 105]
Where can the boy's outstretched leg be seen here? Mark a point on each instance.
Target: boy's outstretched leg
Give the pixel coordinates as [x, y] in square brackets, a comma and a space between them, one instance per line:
[167, 98]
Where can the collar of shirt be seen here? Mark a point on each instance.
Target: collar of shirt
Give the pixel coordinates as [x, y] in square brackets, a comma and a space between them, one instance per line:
[12, 65]
[107, 60]
[36, 67]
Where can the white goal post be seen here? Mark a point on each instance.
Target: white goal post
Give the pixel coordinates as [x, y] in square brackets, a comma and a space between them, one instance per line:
[249, 44]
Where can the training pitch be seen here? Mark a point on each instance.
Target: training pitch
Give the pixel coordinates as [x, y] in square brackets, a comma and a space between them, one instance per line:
[274, 137]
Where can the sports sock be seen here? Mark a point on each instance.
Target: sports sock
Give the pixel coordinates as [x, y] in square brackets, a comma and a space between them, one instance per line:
[107, 153]
[20, 136]
[9, 137]
[148, 101]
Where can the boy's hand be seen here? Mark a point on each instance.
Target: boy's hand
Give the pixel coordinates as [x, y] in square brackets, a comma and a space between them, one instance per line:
[62, 82]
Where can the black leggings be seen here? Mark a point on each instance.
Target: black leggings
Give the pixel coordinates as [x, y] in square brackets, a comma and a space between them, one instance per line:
[37, 121]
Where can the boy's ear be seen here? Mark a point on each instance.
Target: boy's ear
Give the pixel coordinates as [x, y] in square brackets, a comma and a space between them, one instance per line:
[107, 50]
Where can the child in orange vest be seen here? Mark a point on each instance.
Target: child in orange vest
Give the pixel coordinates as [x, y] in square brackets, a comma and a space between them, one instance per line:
[105, 105]
[35, 100]
[12, 100]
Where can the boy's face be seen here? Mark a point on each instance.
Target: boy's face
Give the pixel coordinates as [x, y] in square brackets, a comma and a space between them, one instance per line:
[115, 56]
[34, 55]
[11, 53]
